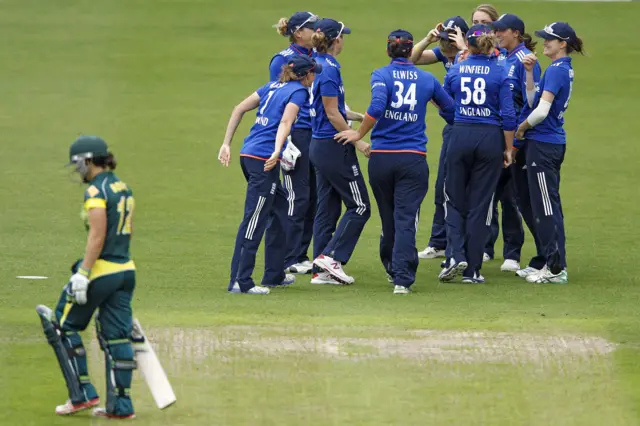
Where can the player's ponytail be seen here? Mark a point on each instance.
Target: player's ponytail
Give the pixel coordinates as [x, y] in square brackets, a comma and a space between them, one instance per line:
[320, 42]
[108, 162]
[576, 46]
[283, 29]
[288, 75]
[396, 49]
[484, 45]
[528, 41]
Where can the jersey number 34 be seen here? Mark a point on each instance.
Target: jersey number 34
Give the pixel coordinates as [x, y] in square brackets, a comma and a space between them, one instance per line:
[401, 98]
[125, 210]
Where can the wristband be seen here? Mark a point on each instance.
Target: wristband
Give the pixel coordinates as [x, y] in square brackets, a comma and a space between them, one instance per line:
[84, 272]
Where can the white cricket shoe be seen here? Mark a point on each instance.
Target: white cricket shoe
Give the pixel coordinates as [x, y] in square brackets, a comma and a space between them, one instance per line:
[70, 408]
[254, 290]
[486, 257]
[431, 253]
[389, 278]
[510, 265]
[400, 289]
[324, 278]
[333, 268]
[452, 270]
[524, 273]
[300, 268]
[546, 276]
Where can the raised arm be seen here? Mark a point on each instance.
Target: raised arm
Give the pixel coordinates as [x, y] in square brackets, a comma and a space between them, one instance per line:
[532, 77]
[421, 57]
[555, 80]
[250, 103]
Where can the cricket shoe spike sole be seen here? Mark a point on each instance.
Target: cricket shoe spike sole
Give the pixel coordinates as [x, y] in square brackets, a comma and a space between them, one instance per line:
[69, 408]
[101, 412]
[333, 268]
[451, 272]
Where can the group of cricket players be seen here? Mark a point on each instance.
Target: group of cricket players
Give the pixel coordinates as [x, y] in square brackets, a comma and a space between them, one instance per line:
[503, 143]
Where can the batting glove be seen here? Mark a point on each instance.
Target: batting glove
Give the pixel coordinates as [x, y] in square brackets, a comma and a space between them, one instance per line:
[80, 285]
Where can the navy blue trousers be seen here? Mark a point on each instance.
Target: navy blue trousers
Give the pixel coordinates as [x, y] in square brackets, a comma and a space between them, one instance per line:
[300, 187]
[438, 238]
[265, 209]
[474, 164]
[512, 231]
[544, 161]
[338, 180]
[399, 182]
[523, 198]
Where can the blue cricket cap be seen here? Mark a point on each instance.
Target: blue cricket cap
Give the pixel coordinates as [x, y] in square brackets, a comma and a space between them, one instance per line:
[558, 31]
[449, 26]
[301, 20]
[400, 36]
[477, 31]
[331, 28]
[508, 21]
[302, 65]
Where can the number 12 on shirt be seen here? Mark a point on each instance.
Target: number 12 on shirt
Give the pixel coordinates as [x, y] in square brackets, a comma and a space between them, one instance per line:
[125, 210]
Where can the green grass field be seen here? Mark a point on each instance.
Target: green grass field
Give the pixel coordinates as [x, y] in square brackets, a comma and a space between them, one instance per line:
[158, 80]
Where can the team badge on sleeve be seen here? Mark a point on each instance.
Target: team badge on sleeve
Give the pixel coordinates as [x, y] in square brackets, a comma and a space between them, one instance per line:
[93, 191]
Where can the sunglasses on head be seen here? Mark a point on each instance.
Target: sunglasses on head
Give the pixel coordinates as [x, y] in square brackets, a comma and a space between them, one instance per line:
[402, 40]
[478, 33]
[312, 19]
[549, 30]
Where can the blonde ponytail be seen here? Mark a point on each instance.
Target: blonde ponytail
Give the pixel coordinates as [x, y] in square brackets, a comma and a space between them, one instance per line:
[283, 27]
[320, 42]
[484, 44]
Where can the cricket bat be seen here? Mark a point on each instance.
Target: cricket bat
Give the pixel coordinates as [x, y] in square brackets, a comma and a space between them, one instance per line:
[151, 368]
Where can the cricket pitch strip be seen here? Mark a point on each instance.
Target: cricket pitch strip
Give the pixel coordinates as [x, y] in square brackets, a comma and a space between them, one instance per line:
[183, 346]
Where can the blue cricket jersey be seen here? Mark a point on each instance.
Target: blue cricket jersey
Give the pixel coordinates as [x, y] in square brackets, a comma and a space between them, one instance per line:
[557, 79]
[441, 58]
[399, 96]
[274, 97]
[329, 84]
[481, 91]
[275, 68]
[517, 76]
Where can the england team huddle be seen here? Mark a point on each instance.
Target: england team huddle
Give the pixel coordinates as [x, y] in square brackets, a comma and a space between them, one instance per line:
[503, 142]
